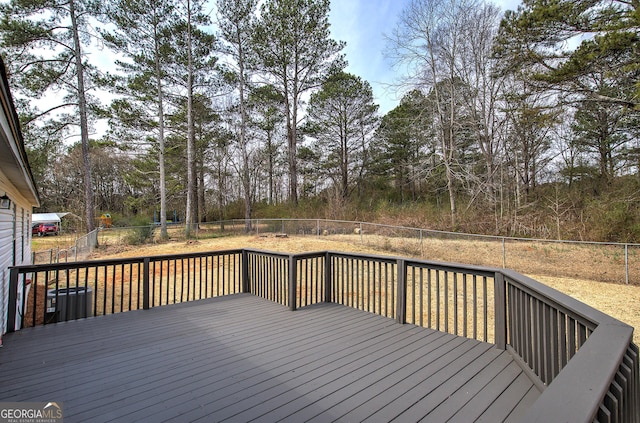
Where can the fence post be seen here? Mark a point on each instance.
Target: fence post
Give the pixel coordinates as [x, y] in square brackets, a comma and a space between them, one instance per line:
[626, 262]
[401, 297]
[500, 311]
[145, 283]
[245, 272]
[317, 227]
[13, 300]
[504, 254]
[361, 240]
[328, 281]
[293, 277]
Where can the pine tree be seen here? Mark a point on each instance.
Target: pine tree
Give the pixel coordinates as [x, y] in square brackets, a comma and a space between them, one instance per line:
[236, 22]
[44, 42]
[294, 49]
[143, 33]
[341, 117]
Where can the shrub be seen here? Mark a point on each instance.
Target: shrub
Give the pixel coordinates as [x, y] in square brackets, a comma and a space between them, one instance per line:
[141, 232]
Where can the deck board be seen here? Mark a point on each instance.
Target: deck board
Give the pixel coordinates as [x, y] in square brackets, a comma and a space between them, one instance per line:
[243, 358]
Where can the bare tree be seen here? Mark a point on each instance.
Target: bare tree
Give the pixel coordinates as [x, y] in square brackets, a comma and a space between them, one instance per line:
[429, 41]
[483, 98]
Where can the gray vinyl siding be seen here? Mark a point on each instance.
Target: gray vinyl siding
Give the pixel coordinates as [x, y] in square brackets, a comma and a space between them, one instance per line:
[6, 260]
[15, 247]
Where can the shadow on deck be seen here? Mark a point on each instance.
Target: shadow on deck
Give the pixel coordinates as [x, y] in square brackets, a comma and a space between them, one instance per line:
[244, 358]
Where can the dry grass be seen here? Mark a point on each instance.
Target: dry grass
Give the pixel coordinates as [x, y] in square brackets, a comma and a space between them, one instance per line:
[619, 301]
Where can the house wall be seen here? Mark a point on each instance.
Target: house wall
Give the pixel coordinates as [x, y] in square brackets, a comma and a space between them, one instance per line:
[16, 181]
[15, 242]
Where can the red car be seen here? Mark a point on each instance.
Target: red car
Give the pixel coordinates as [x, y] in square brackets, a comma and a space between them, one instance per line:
[42, 229]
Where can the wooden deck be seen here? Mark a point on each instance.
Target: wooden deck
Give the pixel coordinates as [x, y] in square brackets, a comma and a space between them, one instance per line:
[242, 358]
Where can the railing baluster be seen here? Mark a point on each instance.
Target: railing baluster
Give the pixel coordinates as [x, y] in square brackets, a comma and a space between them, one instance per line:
[392, 275]
[113, 289]
[121, 287]
[446, 301]
[189, 279]
[386, 289]
[145, 285]
[413, 295]
[485, 307]
[437, 300]
[105, 290]
[67, 302]
[34, 282]
[421, 296]
[464, 305]
[429, 299]
[292, 282]
[377, 281]
[455, 303]
[475, 307]
[166, 280]
[130, 285]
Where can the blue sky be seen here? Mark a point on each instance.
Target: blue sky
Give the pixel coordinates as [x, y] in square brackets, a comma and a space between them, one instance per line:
[362, 24]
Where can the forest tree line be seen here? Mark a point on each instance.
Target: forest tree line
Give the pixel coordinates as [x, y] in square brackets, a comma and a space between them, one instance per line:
[521, 122]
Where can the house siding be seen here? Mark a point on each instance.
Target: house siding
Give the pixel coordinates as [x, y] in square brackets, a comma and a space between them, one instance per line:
[15, 247]
[6, 234]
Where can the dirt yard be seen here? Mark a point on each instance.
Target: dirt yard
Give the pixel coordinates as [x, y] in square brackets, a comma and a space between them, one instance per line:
[619, 301]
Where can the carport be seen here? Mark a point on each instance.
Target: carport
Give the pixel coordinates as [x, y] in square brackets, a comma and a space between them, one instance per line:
[47, 218]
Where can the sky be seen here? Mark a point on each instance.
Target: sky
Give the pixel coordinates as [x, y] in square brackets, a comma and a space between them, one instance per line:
[363, 24]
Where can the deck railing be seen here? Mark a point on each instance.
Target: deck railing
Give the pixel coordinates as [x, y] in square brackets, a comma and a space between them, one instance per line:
[582, 360]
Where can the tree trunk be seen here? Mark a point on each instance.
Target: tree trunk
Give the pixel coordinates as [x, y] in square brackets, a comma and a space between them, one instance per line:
[246, 171]
[161, 168]
[84, 125]
[202, 212]
[345, 164]
[293, 166]
[191, 211]
[271, 166]
[292, 143]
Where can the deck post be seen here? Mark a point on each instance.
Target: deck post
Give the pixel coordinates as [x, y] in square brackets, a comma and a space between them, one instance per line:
[244, 286]
[293, 277]
[401, 297]
[500, 311]
[327, 278]
[145, 283]
[13, 299]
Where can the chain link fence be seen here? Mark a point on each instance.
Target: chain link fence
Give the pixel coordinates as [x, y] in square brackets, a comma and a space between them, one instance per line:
[598, 261]
[604, 262]
[80, 250]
